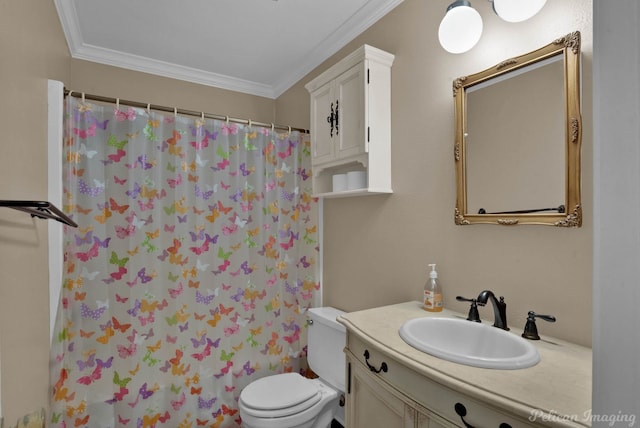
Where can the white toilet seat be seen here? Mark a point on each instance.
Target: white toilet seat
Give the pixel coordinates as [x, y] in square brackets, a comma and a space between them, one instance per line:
[280, 395]
[284, 400]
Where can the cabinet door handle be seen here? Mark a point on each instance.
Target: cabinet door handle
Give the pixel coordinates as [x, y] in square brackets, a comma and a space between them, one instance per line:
[337, 119]
[462, 412]
[383, 366]
[330, 119]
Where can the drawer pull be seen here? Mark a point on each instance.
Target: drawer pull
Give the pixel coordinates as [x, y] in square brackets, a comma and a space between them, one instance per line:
[383, 366]
[462, 412]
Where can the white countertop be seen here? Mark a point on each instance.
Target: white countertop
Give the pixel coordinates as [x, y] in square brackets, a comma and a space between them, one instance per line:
[555, 391]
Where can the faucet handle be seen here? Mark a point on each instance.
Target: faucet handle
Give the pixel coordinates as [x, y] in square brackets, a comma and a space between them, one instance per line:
[473, 309]
[530, 328]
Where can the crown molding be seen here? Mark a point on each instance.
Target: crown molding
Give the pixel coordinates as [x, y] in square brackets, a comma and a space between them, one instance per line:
[174, 71]
[354, 26]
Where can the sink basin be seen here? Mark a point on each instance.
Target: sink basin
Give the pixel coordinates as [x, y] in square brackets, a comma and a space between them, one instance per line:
[470, 343]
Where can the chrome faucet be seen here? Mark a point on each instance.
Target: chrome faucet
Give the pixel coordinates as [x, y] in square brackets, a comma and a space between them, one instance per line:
[499, 308]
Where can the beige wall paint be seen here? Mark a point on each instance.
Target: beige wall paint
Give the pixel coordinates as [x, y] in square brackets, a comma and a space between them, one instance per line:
[34, 49]
[115, 82]
[376, 248]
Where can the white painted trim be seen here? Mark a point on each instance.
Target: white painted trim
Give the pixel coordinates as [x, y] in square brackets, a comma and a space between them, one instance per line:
[319, 300]
[364, 52]
[173, 71]
[354, 26]
[54, 144]
[69, 20]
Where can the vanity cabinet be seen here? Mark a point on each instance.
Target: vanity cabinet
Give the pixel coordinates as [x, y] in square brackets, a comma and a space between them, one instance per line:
[351, 122]
[381, 392]
[391, 384]
[373, 403]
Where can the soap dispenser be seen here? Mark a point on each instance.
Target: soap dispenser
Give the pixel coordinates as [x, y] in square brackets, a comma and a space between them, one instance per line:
[433, 301]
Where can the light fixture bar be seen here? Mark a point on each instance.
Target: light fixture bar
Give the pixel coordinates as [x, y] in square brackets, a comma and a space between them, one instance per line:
[461, 28]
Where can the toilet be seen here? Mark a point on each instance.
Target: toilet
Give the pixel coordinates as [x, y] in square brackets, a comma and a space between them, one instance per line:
[289, 400]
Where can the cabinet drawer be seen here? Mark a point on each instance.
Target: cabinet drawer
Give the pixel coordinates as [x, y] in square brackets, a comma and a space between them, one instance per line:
[433, 397]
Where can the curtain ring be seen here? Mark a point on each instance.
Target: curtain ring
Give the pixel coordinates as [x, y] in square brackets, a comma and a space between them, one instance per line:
[289, 129]
[250, 124]
[117, 103]
[226, 119]
[83, 100]
[149, 109]
[70, 93]
[273, 127]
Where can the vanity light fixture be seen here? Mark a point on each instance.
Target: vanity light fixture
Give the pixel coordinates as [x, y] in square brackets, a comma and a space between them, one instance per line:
[461, 27]
[517, 10]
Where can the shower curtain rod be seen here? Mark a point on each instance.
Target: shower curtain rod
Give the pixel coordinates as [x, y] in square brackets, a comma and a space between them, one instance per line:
[138, 104]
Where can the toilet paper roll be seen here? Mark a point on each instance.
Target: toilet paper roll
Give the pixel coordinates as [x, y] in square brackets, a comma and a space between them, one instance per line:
[356, 180]
[339, 182]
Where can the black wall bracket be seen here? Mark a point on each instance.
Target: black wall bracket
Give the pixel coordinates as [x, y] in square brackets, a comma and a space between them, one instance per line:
[40, 209]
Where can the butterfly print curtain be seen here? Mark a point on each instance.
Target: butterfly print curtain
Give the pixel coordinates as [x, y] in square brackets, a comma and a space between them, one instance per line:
[190, 272]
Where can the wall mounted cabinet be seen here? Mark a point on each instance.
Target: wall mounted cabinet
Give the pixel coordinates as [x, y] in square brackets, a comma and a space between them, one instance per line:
[351, 122]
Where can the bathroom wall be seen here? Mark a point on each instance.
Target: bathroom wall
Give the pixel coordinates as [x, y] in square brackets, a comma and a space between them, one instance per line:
[34, 49]
[115, 82]
[376, 248]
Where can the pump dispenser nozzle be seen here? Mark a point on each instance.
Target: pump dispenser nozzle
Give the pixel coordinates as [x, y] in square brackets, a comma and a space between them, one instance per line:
[433, 273]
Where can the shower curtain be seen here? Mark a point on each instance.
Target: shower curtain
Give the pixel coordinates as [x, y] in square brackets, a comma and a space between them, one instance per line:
[190, 272]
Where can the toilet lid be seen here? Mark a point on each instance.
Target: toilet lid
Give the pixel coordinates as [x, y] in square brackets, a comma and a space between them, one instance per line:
[285, 393]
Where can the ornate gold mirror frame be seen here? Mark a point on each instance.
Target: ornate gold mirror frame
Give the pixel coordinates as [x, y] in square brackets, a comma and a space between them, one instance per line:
[571, 216]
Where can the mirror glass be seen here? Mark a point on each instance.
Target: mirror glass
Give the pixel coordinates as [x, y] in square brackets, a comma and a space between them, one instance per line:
[518, 140]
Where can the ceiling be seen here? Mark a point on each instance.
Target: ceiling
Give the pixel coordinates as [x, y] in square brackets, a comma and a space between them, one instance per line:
[259, 47]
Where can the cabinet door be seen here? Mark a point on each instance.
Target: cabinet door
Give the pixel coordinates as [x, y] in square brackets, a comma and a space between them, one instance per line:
[432, 421]
[322, 134]
[350, 92]
[371, 405]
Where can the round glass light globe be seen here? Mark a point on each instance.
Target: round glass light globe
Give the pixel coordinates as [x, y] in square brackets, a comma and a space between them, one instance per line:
[517, 10]
[460, 29]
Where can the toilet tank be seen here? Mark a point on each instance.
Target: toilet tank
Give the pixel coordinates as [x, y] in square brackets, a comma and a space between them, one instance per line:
[325, 346]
